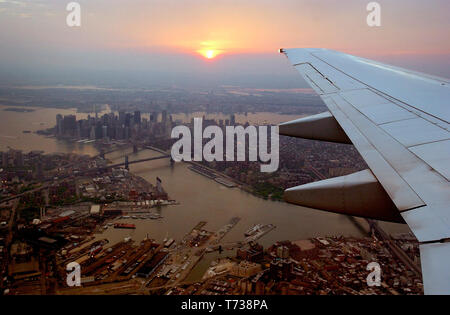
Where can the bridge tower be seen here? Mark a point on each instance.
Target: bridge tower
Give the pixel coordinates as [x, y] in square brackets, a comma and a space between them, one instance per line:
[126, 163]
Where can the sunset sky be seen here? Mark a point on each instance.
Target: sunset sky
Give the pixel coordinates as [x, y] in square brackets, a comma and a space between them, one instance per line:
[135, 39]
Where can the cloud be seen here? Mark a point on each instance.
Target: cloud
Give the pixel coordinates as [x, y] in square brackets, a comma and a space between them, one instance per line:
[14, 2]
[21, 9]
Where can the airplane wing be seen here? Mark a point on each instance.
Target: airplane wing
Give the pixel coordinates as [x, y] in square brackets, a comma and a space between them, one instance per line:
[398, 120]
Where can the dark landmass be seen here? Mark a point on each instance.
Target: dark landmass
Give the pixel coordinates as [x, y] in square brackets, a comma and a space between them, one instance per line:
[19, 110]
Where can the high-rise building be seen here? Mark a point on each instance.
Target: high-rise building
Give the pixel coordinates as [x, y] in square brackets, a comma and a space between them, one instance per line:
[69, 125]
[137, 117]
[127, 119]
[122, 115]
[59, 126]
[232, 119]
[104, 132]
[18, 158]
[92, 134]
[119, 132]
[153, 117]
[4, 159]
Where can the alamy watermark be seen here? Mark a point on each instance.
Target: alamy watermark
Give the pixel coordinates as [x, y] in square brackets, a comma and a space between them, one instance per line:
[73, 278]
[374, 17]
[374, 277]
[214, 149]
[74, 17]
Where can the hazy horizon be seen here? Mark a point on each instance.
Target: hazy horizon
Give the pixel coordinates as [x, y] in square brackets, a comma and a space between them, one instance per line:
[146, 43]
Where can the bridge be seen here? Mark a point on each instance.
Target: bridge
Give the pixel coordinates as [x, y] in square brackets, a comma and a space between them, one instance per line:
[127, 163]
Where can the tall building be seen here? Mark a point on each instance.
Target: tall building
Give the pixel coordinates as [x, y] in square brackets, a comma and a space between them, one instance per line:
[122, 115]
[127, 119]
[18, 158]
[137, 117]
[232, 119]
[92, 134]
[59, 126]
[69, 125]
[153, 117]
[4, 159]
[104, 132]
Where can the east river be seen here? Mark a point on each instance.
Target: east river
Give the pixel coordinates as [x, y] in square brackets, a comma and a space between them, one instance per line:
[200, 198]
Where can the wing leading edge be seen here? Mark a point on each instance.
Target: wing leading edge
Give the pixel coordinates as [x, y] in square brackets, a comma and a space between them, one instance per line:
[399, 122]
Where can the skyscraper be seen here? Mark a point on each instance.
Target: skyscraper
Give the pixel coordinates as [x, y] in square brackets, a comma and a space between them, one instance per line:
[122, 115]
[59, 126]
[4, 159]
[18, 158]
[137, 117]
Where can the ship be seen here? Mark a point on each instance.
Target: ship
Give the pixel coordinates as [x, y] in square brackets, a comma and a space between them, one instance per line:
[124, 226]
[154, 216]
[95, 250]
[169, 242]
[253, 230]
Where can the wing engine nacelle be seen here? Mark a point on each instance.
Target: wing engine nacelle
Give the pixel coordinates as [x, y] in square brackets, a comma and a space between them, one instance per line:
[316, 127]
[358, 194]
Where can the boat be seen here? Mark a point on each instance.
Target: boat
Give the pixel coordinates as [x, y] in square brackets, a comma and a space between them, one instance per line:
[169, 242]
[154, 216]
[124, 226]
[95, 250]
[253, 230]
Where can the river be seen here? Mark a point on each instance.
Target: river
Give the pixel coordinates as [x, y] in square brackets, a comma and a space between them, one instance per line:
[200, 198]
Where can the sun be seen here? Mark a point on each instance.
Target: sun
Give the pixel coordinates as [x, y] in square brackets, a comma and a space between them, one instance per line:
[209, 53]
[210, 49]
